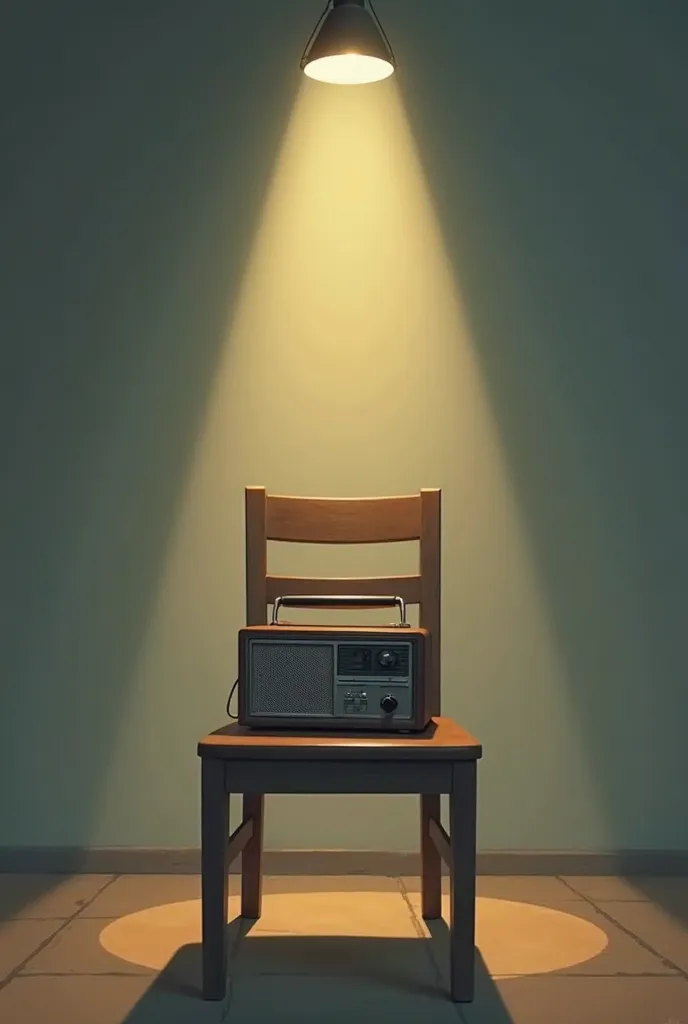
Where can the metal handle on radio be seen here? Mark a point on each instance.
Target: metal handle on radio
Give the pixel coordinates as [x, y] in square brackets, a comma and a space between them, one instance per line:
[340, 601]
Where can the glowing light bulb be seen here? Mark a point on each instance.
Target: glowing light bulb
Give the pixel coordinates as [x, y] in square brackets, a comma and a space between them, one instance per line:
[349, 69]
[348, 46]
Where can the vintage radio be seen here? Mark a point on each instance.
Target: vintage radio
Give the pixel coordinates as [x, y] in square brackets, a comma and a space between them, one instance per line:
[334, 677]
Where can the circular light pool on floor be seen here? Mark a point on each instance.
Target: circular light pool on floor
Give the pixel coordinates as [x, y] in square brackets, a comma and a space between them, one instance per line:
[514, 938]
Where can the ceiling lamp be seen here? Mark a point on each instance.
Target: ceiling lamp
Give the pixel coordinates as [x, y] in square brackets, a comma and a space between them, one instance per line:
[348, 46]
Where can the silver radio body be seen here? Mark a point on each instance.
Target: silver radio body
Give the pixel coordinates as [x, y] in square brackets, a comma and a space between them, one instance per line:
[334, 678]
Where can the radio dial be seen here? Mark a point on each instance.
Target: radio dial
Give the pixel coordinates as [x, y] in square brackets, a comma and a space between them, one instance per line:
[389, 704]
[387, 658]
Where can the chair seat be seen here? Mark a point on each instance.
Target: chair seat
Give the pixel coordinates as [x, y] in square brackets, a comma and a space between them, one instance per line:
[442, 740]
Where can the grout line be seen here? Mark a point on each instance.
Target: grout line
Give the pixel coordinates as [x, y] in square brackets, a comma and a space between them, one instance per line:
[80, 917]
[420, 932]
[65, 922]
[342, 975]
[592, 974]
[92, 974]
[417, 926]
[631, 934]
[337, 974]
[227, 1002]
[59, 918]
[580, 895]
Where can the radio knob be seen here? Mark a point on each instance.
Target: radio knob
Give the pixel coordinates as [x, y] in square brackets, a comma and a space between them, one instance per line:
[387, 658]
[389, 704]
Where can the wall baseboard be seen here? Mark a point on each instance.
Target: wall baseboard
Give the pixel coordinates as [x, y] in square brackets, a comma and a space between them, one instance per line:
[172, 861]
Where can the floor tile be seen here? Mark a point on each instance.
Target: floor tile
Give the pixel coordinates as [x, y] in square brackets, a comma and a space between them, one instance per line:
[47, 896]
[323, 883]
[565, 1000]
[101, 1000]
[297, 933]
[77, 950]
[605, 887]
[657, 927]
[529, 888]
[130, 893]
[316, 1000]
[19, 939]
[671, 893]
[375, 960]
[157, 936]
[372, 914]
[511, 936]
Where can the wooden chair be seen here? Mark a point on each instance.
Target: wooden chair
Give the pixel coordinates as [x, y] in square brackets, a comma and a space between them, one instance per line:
[443, 759]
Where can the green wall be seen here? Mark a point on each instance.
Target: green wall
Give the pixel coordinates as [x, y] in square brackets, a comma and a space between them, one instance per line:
[139, 143]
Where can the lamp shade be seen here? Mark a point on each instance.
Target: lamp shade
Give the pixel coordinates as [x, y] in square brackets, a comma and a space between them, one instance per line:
[348, 46]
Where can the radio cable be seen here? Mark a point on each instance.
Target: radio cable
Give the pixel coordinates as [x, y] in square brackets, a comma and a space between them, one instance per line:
[234, 718]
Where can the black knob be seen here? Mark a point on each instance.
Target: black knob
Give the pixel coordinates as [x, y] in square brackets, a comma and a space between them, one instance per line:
[387, 658]
[389, 704]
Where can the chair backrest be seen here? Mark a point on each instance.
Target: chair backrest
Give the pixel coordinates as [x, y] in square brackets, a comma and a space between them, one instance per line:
[415, 517]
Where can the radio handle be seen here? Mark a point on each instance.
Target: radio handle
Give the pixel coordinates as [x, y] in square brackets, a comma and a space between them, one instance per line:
[340, 601]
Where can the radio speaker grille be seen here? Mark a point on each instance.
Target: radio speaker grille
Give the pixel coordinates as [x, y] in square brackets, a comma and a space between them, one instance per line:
[291, 679]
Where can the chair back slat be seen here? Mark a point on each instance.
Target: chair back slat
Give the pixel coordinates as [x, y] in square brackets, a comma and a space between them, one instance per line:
[343, 520]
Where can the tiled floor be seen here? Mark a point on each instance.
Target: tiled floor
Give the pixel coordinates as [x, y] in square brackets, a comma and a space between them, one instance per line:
[125, 950]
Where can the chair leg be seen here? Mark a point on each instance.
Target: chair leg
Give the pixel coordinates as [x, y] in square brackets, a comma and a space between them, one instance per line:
[214, 877]
[462, 805]
[431, 862]
[252, 856]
